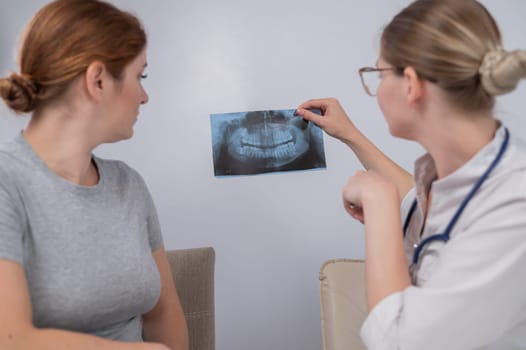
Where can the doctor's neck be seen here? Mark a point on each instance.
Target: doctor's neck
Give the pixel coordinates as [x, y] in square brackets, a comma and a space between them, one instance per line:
[453, 141]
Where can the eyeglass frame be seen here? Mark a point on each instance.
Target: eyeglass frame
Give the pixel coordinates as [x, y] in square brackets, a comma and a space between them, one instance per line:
[361, 71]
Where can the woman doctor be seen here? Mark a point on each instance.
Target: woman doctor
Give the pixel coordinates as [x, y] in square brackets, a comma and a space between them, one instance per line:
[445, 260]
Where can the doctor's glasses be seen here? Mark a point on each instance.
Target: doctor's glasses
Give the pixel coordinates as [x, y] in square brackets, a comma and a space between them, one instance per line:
[372, 77]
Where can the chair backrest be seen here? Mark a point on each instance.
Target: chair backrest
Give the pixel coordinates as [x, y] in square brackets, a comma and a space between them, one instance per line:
[193, 273]
[343, 306]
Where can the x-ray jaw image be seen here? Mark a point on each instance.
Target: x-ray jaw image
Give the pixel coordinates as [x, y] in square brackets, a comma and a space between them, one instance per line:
[265, 141]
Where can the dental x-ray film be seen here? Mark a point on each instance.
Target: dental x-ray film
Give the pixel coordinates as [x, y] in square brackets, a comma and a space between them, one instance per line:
[249, 143]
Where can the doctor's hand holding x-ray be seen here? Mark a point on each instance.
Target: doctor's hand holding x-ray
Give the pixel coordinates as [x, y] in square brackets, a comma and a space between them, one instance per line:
[336, 123]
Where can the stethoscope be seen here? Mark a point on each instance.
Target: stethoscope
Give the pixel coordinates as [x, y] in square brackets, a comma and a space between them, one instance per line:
[444, 237]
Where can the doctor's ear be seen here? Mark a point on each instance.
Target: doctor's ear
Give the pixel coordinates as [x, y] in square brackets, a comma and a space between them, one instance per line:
[96, 76]
[415, 86]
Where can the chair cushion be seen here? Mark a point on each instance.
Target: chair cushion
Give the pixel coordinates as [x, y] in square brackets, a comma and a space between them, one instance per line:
[193, 273]
[343, 305]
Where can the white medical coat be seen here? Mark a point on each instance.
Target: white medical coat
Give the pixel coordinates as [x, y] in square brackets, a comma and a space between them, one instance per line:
[470, 293]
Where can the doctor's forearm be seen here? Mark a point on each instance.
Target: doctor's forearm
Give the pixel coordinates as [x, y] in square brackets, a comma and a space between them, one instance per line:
[372, 158]
[386, 269]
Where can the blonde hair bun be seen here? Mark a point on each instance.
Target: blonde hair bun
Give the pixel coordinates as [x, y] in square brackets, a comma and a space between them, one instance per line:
[501, 71]
[19, 93]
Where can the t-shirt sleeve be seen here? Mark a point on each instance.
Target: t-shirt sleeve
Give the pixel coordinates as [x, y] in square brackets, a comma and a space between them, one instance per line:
[11, 228]
[140, 188]
[155, 236]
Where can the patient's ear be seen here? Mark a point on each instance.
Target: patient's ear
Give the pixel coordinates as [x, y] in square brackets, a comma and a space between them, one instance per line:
[96, 76]
[415, 86]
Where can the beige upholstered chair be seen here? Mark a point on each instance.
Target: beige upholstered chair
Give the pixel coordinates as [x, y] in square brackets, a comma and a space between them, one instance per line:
[193, 273]
[342, 303]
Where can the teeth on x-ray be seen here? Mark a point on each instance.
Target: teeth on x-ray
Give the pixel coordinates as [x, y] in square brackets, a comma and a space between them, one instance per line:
[265, 141]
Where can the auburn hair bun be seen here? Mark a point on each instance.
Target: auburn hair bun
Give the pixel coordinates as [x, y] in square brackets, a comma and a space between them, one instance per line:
[19, 93]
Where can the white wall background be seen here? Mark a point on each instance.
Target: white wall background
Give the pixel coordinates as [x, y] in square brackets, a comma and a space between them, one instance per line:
[271, 233]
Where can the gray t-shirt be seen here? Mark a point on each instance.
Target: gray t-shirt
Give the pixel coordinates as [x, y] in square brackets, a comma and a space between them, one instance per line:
[86, 250]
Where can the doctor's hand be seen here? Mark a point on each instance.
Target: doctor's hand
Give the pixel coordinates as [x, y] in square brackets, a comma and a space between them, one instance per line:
[334, 121]
[366, 188]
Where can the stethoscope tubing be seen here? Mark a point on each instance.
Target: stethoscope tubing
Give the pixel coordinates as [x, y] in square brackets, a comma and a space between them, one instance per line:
[446, 234]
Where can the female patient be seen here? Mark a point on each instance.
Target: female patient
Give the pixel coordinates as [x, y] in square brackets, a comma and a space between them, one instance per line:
[82, 263]
[446, 270]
